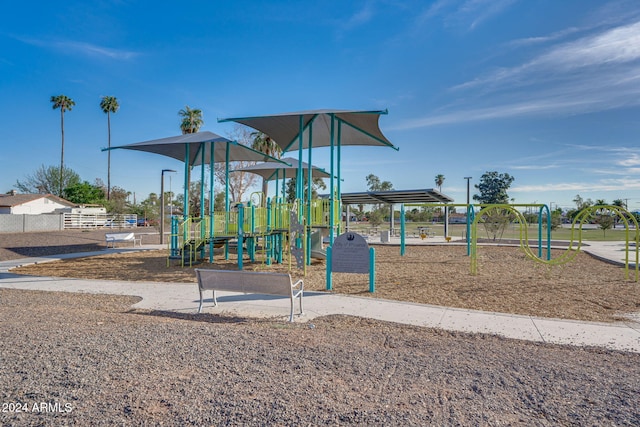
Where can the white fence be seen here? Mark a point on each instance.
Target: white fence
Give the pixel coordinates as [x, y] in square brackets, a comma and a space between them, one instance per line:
[73, 220]
[12, 223]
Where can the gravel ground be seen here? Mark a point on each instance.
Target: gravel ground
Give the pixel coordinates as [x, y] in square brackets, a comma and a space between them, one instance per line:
[93, 361]
[24, 245]
[80, 359]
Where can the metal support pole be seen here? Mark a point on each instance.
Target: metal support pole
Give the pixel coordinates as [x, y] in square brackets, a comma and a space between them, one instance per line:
[162, 204]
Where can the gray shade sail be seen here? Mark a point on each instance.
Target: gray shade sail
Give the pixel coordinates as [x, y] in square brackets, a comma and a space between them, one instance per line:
[356, 128]
[395, 197]
[268, 170]
[176, 147]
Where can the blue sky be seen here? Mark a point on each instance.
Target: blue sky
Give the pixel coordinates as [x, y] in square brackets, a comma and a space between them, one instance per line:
[547, 91]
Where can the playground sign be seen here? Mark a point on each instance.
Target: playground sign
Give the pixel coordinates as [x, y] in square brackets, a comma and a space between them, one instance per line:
[350, 254]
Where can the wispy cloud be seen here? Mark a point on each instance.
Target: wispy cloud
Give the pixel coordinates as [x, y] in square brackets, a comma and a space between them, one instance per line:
[466, 14]
[534, 167]
[360, 17]
[479, 11]
[617, 46]
[81, 48]
[597, 72]
[631, 161]
[528, 41]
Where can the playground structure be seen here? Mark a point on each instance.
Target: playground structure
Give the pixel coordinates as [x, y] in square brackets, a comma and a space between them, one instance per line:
[478, 214]
[277, 228]
[257, 225]
[268, 228]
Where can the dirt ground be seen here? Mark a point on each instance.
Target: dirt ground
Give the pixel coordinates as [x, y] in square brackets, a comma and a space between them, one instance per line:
[507, 281]
[103, 363]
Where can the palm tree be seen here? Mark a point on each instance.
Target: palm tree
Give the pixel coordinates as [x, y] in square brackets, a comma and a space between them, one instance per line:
[265, 144]
[109, 104]
[191, 123]
[191, 120]
[64, 103]
[439, 181]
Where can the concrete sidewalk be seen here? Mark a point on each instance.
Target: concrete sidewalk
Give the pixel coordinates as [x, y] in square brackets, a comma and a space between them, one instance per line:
[184, 298]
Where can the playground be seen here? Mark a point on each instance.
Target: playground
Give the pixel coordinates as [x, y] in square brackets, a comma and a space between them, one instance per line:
[507, 280]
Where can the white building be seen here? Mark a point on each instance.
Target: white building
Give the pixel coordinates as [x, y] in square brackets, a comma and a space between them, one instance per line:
[32, 204]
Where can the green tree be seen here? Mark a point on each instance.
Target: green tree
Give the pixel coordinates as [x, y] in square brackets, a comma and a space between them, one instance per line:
[374, 184]
[605, 221]
[46, 180]
[84, 193]
[580, 205]
[376, 217]
[493, 188]
[191, 120]
[619, 203]
[439, 181]
[118, 204]
[64, 103]
[379, 209]
[109, 104]
[316, 184]
[194, 199]
[556, 219]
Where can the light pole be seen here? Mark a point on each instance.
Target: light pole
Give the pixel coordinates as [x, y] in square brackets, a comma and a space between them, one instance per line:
[468, 178]
[162, 204]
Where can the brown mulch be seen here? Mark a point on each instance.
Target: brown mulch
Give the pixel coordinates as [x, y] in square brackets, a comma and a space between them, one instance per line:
[507, 281]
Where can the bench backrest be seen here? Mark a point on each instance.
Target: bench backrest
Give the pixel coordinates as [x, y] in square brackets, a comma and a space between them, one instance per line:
[119, 236]
[244, 281]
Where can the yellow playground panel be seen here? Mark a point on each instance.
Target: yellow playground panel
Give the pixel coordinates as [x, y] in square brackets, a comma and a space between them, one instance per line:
[192, 237]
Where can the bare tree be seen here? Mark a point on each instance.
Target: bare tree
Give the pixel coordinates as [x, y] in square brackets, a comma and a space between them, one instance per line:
[239, 182]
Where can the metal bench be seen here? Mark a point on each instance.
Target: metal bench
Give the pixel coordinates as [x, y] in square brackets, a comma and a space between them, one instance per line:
[113, 238]
[249, 282]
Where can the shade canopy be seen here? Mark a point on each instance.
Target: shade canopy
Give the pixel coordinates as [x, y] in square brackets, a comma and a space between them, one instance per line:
[271, 170]
[356, 128]
[395, 197]
[188, 148]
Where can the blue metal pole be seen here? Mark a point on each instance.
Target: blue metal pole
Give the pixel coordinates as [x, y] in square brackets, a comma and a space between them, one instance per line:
[309, 186]
[540, 230]
[226, 200]
[331, 183]
[202, 230]
[268, 238]
[185, 207]
[469, 219]
[329, 279]
[299, 182]
[339, 192]
[240, 234]
[211, 199]
[402, 231]
[372, 270]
